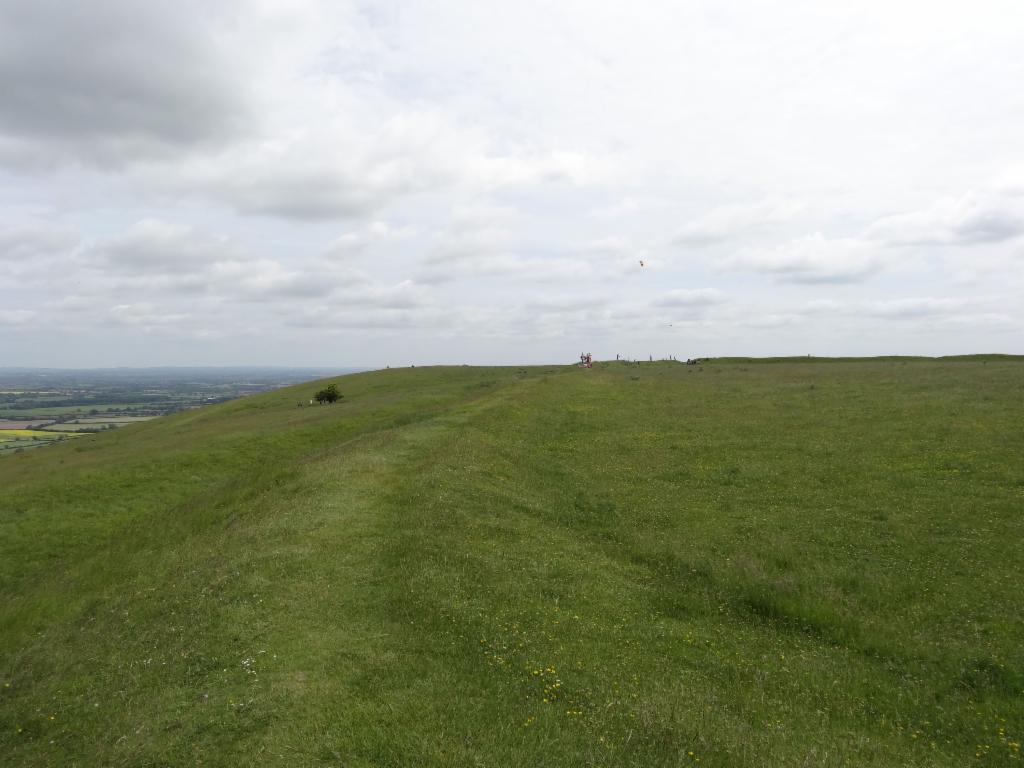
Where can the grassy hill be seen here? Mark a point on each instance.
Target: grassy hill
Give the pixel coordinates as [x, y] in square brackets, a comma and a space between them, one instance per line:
[638, 565]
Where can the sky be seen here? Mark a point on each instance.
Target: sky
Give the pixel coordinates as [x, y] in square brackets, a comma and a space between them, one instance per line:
[253, 182]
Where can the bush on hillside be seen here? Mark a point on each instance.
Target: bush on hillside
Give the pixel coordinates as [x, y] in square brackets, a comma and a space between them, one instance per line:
[329, 395]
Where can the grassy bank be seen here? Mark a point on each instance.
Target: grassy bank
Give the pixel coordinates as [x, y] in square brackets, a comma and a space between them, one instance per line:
[718, 565]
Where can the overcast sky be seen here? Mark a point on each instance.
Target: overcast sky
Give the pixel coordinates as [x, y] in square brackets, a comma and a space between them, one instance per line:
[347, 183]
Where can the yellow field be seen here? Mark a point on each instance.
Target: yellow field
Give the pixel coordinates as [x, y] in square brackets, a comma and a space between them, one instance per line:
[13, 434]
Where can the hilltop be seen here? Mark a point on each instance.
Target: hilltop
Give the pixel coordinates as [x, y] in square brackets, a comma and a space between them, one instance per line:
[789, 563]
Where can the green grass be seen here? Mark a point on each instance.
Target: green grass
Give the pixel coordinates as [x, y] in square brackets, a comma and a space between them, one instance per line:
[884, 359]
[655, 565]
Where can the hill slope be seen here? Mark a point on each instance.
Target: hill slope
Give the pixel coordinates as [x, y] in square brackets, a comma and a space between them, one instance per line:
[727, 565]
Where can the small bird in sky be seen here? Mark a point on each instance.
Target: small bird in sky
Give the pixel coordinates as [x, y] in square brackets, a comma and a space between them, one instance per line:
[641, 262]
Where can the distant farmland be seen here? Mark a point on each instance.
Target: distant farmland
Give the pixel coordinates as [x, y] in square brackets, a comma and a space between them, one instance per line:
[795, 563]
[67, 402]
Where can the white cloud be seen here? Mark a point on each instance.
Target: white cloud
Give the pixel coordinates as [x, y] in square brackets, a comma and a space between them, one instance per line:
[357, 242]
[523, 169]
[913, 307]
[34, 242]
[265, 279]
[810, 259]
[566, 303]
[16, 317]
[691, 297]
[348, 167]
[486, 241]
[365, 316]
[154, 246]
[145, 316]
[113, 82]
[728, 222]
[430, 174]
[773, 320]
[951, 310]
[970, 219]
[996, 321]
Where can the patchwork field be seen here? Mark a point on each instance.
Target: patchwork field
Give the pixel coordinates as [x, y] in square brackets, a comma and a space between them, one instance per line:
[12, 440]
[796, 563]
[14, 434]
[5, 425]
[70, 426]
[113, 419]
[45, 412]
[72, 401]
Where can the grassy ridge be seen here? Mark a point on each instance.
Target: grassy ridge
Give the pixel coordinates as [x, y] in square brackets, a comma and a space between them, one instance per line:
[884, 359]
[784, 564]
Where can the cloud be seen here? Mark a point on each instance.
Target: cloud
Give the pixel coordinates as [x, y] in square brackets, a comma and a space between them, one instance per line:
[265, 279]
[912, 307]
[72, 303]
[949, 310]
[468, 241]
[402, 295]
[565, 303]
[244, 168]
[690, 298]
[884, 318]
[995, 321]
[970, 219]
[561, 316]
[16, 317]
[917, 314]
[153, 246]
[680, 306]
[332, 154]
[823, 307]
[939, 312]
[297, 182]
[617, 257]
[514, 265]
[484, 241]
[112, 82]
[488, 240]
[894, 309]
[810, 259]
[154, 257]
[34, 242]
[386, 316]
[145, 316]
[262, 280]
[357, 242]
[524, 168]
[1004, 267]
[730, 221]
[772, 320]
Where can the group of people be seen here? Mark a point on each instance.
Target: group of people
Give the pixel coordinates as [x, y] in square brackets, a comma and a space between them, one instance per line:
[587, 360]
